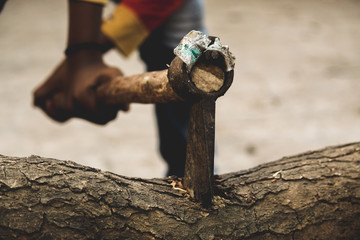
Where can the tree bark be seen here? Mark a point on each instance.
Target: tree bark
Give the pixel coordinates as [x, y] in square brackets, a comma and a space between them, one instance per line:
[314, 195]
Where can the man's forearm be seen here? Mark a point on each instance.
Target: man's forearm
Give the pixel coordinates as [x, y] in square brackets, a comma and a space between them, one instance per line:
[84, 22]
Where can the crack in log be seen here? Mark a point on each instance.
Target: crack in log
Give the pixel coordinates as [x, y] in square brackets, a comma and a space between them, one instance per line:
[159, 182]
[292, 159]
[247, 173]
[73, 165]
[143, 234]
[172, 194]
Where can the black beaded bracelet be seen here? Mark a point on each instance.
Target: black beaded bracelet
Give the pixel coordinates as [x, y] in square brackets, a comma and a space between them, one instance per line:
[84, 46]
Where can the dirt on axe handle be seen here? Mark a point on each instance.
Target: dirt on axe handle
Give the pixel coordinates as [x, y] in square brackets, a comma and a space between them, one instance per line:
[149, 87]
[201, 72]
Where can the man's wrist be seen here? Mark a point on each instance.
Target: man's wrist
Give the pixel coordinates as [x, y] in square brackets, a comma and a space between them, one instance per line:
[85, 19]
[106, 42]
[84, 57]
[74, 48]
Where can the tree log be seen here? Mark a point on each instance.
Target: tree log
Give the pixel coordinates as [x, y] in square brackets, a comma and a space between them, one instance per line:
[314, 195]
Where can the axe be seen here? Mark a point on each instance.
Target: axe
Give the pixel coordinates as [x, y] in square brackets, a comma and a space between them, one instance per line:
[201, 72]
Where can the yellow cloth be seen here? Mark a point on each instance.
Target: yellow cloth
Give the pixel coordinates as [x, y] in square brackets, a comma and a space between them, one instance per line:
[96, 1]
[132, 34]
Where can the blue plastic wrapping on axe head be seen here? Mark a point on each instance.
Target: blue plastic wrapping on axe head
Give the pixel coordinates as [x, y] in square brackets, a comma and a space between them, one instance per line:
[195, 43]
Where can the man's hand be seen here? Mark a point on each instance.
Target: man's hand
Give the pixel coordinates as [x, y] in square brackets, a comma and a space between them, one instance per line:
[70, 89]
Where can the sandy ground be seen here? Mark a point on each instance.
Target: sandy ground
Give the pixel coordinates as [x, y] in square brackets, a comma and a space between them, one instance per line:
[296, 86]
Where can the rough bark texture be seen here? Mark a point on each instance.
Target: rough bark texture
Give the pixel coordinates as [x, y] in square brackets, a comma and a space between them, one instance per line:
[315, 195]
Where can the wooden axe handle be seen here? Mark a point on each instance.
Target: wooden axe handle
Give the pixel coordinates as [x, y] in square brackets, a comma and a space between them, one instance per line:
[149, 87]
[154, 87]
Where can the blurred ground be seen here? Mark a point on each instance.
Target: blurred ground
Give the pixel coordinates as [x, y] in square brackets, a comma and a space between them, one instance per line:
[296, 86]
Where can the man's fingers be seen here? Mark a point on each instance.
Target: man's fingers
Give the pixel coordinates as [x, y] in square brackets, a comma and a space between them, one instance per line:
[46, 90]
[102, 117]
[90, 109]
[61, 108]
[55, 113]
[113, 72]
[61, 100]
[86, 100]
[53, 104]
[106, 76]
[87, 97]
[80, 102]
[41, 94]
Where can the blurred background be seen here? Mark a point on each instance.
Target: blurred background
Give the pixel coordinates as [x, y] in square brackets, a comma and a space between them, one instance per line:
[296, 86]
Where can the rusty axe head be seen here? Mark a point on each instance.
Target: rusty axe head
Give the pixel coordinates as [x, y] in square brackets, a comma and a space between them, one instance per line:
[201, 72]
[202, 67]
